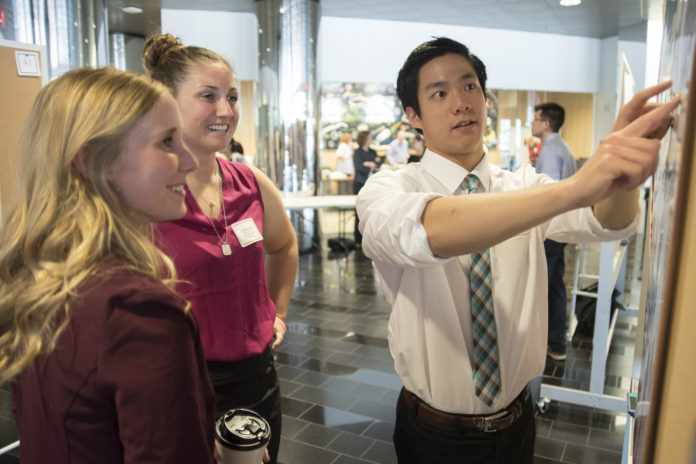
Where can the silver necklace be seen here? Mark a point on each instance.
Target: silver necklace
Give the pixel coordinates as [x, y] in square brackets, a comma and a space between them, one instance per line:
[226, 250]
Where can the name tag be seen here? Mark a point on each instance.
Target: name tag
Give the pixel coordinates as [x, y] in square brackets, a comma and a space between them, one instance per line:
[247, 232]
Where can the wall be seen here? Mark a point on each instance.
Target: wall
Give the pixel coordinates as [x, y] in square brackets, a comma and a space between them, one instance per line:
[233, 35]
[510, 56]
[605, 98]
[17, 95]
[376, 49]
[361, 50]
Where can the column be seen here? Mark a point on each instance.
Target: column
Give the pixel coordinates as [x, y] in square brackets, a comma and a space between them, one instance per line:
[75, 32]
[287, 103]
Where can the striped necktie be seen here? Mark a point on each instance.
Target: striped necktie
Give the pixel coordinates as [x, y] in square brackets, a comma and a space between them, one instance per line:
[485, 363]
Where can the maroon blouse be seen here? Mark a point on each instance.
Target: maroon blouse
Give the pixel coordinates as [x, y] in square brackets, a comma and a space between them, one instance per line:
[126, 383]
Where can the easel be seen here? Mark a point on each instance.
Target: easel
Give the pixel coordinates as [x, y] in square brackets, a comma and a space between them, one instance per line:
[612, 274]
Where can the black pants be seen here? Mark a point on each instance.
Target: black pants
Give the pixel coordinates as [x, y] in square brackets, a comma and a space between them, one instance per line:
[420, 441]
[250, 384]
[558, 306]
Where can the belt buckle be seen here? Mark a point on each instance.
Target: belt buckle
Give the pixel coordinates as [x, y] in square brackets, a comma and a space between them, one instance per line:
[487, 421]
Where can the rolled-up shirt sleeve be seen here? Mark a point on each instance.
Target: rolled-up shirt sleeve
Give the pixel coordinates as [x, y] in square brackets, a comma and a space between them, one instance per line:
[390, 210]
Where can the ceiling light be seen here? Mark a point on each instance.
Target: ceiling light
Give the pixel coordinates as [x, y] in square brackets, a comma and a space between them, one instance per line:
[570, 2]
[132, 9]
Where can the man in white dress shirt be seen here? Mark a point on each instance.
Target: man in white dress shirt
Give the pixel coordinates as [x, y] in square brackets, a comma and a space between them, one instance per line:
[419, 229]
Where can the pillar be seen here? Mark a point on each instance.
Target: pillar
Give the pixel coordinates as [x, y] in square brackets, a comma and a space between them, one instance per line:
[287, 103]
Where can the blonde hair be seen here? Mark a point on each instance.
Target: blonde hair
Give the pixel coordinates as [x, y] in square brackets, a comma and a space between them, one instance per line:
[345, 138]
[166, 60]
[63, 224]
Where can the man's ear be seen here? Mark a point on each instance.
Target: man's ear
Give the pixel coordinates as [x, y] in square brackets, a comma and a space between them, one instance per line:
[413, 118]
[79, 161]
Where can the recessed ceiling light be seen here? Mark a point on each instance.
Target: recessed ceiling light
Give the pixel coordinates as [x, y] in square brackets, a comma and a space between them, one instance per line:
[132, 9]
[570, 2]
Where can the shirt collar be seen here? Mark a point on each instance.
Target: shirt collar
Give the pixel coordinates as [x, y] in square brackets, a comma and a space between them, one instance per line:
[451, 175]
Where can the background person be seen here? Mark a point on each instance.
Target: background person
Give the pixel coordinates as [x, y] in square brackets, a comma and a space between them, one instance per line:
[235, 220]
[344, 155]
[534, 146]
[557, 161]
[397, 154]
[461, 257]
[366, 162]
[417, 149]
[106, 357]
[234, 151]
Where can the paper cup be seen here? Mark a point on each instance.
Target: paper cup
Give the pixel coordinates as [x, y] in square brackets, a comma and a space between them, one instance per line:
[241, 436]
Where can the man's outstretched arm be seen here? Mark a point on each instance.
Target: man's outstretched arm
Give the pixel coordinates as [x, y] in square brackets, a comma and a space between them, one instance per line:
[627, 157]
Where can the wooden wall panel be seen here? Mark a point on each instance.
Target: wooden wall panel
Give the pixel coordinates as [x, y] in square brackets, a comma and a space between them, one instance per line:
[17, 95]
[246, 129]
[577, 129]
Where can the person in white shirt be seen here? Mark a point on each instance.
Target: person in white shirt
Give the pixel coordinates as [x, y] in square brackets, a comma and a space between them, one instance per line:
[344, 155]
[398, 149]
[420, 233]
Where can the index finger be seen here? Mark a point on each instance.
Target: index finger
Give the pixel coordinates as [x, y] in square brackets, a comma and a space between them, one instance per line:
[642, 96]
[650, 121]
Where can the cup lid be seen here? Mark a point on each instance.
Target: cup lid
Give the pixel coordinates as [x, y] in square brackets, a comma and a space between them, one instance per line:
[242, 429]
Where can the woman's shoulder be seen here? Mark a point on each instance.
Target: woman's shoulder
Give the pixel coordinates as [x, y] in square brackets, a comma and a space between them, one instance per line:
[234, 171]
[117, 286]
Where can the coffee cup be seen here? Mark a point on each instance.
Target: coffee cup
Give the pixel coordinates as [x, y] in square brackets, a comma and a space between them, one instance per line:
[241, 436]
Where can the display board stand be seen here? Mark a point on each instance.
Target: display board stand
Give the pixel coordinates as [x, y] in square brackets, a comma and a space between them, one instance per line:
[612, 272]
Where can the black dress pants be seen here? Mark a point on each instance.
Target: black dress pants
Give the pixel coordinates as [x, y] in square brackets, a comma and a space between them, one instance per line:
[558, 306]
[250, 384]
[420, 441]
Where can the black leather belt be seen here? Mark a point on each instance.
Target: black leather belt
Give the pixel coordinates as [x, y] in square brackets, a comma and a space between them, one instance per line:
[490, 423]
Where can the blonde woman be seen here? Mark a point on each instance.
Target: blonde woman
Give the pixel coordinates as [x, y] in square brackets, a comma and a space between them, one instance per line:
[105, 358]
[235, 248]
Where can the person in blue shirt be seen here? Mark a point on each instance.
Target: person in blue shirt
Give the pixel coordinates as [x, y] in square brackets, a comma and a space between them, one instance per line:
[557, 161]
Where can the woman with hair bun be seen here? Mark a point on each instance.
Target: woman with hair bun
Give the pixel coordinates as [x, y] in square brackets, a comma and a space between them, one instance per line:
[235, 249]
[104, 357]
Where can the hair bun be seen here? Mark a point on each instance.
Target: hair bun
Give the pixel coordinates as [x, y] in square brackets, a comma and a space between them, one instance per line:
[157, 48]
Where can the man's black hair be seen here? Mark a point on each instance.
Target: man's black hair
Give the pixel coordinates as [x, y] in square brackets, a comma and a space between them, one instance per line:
[553, 113]
[407, 81]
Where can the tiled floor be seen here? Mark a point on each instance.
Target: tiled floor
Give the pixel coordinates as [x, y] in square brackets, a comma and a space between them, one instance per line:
[339, 387]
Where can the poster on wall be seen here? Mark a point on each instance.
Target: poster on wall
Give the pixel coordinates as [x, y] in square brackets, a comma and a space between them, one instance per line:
[350, 107]
[676, 61]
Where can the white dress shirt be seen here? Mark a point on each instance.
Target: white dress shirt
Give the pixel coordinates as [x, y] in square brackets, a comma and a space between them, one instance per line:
[344, 155]
[430, 324]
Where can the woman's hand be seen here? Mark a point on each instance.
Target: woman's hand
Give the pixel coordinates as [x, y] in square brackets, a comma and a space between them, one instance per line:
[279, 330]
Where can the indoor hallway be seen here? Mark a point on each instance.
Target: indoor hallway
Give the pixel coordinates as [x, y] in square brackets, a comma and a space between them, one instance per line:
[339, 387]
